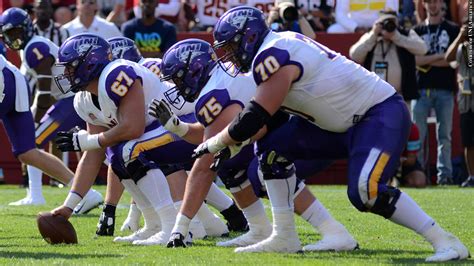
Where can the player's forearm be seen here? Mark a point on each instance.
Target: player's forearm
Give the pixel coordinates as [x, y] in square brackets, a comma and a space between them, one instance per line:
[195, 134]
[87, 170]
[43, 99]
[119, 133]
[197, 186]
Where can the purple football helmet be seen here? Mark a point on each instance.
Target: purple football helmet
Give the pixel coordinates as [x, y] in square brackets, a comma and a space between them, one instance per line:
[83, 57]
[17, 28]
[240, 32]
[188, 64]
[124, 48]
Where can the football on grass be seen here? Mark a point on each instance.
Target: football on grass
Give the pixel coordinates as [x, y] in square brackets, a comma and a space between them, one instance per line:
[56, 229]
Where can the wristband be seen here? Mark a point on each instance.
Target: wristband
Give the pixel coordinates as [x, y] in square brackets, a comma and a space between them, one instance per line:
[177, 126]
[72, 199]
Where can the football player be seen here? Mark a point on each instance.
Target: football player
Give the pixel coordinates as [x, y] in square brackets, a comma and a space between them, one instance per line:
[112, 98]
[192, 65]
[38, 55]
[336, 96]
[124, 48]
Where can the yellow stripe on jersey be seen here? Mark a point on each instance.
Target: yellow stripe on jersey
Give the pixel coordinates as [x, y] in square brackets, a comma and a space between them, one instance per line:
[151, 144]
[358, 5]
[43, 135]
[376, 174]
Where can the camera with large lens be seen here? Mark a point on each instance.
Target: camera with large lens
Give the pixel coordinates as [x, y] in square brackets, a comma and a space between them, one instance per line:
[389, 25]
[288, 11]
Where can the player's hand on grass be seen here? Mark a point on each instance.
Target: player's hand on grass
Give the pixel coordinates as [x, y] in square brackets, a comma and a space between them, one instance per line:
[176, 241]
[62, 211]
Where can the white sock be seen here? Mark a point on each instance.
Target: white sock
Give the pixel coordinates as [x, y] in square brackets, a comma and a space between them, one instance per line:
[167, 217]
[151, 217]
[283, 223]
[149, 213]
[35, 182]
[281, 193]
[134, 212]
[155, 187]
[205, 214]
[256, 217]
[65, 158]
[319, 217]
[218, 199]
[410, 215]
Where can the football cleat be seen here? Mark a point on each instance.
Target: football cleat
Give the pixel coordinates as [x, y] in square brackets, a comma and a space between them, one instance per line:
[132, 223]
[28, 201]
[215, 227]
[177, 240]
[288, 243]
[141, 234]
[249, 238]
[91, 201]
[160, 238]
[341, 241]
[197, 229]
[450, 249]
[106, 225]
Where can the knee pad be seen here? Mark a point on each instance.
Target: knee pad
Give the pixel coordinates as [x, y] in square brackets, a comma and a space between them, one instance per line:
[258, 185]
[275, 166]
[169, 169]
[233, 178]
[133, 170]
[385, 203]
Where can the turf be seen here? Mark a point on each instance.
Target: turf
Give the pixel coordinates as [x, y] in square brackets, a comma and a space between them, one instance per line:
[381, 242]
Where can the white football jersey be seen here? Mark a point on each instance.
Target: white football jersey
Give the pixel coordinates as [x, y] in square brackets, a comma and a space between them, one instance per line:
[221, 91]
[209, 11]
[332, 91]
[114, 83]
[264, 5]
[34, 52]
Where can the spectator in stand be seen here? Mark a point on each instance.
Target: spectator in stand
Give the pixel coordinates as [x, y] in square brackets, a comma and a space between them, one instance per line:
[286, 17]
[357, 16]
[207, 14]
[319, 13]
[112, 10]
[167, 9]
[264, 5]
[449, 7]
[88, 21]
[388, 47]
[407, 13]
[63, 15]
[436, 81]
[45, 26]
[459, 51]
[152, 35]
[411, 172]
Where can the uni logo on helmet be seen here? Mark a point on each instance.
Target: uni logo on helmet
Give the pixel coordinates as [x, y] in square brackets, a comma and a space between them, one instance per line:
[239, 18]
[187, 53]
[83, 45]
[119, 48]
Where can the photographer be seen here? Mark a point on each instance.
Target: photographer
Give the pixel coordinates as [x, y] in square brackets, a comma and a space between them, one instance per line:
[286, 17]
[384, 50]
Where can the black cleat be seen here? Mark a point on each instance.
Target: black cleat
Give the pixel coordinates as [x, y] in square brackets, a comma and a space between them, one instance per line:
[236, 220]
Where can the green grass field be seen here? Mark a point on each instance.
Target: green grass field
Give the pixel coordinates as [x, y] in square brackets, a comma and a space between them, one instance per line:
[381, 242]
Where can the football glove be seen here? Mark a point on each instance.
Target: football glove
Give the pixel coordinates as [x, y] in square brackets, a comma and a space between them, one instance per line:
[161, 110]
[77, 140]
